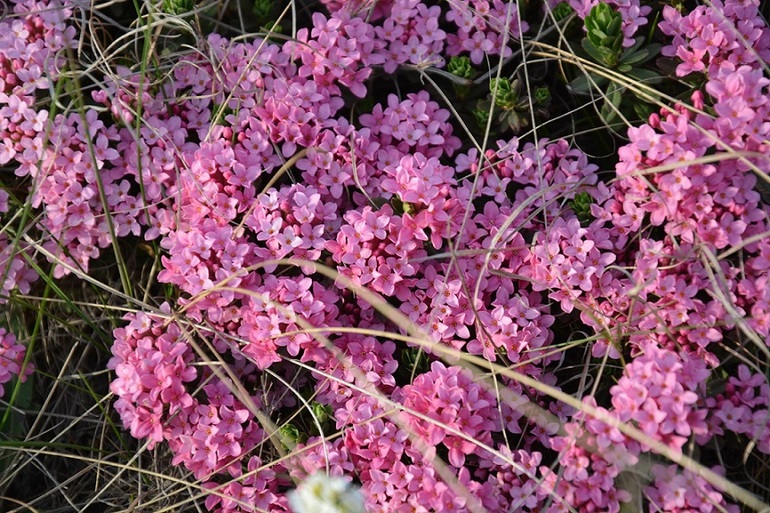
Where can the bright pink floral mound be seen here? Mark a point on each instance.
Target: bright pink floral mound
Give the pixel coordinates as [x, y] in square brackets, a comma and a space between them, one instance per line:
[377, 198]
[259, 150]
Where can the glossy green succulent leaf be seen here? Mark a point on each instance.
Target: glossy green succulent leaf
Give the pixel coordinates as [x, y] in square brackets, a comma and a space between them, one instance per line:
[647, 78]
[643, 110]
[321, 412]
[322, 415]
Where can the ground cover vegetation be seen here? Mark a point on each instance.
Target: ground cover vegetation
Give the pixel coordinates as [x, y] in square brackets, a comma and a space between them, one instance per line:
[460, 255]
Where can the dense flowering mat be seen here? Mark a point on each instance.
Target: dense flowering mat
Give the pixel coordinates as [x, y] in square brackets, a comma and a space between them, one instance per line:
[642, 292]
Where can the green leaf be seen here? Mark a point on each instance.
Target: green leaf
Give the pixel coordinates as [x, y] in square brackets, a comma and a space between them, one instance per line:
[614, 96]
[481, 112]
[654, 49]
[582, 85]
[290, 436]
[178, 6]
[504, 92]
[16, 425]
[645, 76]
[614, 28]
[648, 78]
[322, 413]
[581, 205]
[598, 53]
[638, 42]
[262, 10]
[635, 57]
[640, 56]
[667, 65]
[643, 110]
[514, 120]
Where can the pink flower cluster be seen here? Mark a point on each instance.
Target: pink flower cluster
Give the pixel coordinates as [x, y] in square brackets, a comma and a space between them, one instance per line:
[445, 411]
[587, 482]
[710, 206]
[412, 31]
[412, 34]
[12, 356]
[31, 45]
[365, 9]
[32, 38]
[744, 408]
[210, 432]
[452, 401]
[416, 124]
[15, 273]
[68, 188]
[723, 32]
[659, 393]
[681, 492]
[508, 481]
[338, 50]
[484, 28]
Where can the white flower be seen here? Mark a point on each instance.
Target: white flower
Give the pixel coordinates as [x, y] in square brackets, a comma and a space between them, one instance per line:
[326, 494]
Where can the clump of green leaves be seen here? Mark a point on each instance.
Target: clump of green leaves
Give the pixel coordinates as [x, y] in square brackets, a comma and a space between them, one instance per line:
[322, 413]
[265, 13]
[604, 38]
[481, 115]
[604, 45]
[414, 360]
[290, 436]
[460, 66]
[516, 109]
[581, 205]
[504, 92]
[177, 6]
[562, 11]
[262, 9]
[542, 96]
